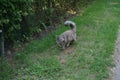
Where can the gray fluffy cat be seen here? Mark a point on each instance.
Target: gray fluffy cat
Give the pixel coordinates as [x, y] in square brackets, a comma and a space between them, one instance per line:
[64, 39]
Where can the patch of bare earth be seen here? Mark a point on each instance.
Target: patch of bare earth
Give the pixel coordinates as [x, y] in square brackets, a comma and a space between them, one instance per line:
[116, 69]
[64, 54]
[114, 3]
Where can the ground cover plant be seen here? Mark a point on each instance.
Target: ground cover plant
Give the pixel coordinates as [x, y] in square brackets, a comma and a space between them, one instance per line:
[87, 59]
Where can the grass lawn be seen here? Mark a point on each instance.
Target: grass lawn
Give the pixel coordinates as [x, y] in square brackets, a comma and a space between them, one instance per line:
[89, 58]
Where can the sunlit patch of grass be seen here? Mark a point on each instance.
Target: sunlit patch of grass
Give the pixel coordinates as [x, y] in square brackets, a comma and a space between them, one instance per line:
[39, 68]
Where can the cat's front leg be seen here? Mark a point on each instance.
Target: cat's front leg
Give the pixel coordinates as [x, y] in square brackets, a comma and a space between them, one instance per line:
[68, 43]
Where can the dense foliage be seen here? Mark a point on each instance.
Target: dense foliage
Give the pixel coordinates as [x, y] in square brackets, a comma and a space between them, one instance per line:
[21, 18]
[11, 15]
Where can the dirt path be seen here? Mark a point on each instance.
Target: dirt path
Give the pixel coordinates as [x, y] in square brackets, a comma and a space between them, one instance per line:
[64, 54]
[116, 69]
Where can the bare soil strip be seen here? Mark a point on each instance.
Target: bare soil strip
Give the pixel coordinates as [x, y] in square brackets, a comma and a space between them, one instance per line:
[116, 69]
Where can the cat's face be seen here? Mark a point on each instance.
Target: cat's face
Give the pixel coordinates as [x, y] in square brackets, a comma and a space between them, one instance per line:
[60, 41]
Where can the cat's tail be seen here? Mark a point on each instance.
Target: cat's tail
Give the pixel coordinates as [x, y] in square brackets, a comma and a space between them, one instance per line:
[71, 24]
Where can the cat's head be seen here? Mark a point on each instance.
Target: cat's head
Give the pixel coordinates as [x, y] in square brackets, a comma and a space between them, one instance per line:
[60, 41]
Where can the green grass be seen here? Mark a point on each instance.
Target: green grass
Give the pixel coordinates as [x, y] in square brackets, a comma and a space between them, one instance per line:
[87, 59]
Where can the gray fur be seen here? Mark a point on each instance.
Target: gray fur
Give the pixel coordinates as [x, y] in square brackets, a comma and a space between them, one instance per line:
[64, 39]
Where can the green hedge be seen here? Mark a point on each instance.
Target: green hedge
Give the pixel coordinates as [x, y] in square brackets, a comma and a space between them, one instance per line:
[21, 18]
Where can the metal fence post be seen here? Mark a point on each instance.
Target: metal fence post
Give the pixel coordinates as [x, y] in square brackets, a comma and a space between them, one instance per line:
[1, 43]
